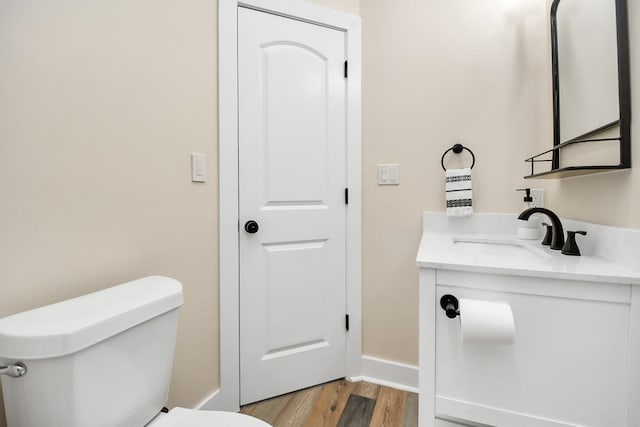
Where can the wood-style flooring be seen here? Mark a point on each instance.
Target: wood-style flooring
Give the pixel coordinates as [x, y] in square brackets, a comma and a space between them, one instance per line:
[339, 404]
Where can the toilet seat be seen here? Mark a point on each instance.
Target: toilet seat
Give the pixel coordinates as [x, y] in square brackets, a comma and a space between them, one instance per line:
[182, 417]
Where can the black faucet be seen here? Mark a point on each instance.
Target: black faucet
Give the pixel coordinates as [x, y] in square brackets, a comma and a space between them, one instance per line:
[557, 233]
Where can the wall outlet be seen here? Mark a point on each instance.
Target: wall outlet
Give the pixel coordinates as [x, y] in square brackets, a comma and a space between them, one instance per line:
[537, 194]
[389, 174]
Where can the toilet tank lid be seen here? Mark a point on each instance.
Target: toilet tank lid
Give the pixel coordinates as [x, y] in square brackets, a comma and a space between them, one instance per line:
[72, 325]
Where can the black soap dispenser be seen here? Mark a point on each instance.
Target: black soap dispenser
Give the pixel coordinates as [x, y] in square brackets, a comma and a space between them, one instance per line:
[528, 230]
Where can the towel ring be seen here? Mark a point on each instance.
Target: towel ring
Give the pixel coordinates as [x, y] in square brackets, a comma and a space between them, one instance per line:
[457, 148]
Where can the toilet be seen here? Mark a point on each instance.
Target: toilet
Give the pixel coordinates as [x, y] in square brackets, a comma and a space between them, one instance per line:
[99, 360]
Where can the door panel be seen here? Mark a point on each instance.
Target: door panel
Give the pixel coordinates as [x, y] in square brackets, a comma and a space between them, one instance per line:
[292, 169]
[292, 291]
[296, 115]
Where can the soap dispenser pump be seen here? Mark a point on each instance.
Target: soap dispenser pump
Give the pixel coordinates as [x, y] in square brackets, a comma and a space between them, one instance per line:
[528, 230]
[528, 200]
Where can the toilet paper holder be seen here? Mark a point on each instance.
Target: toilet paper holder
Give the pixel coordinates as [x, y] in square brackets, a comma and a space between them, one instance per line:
[449, 304]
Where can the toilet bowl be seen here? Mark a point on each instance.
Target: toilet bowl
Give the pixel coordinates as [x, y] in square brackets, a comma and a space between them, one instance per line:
[182, 417]
[99, 360]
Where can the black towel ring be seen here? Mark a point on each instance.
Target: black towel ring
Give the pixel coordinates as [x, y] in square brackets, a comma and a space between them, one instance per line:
[457, 148]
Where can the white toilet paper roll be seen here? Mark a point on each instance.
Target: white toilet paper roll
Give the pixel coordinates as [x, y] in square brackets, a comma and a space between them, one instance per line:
[486, 322]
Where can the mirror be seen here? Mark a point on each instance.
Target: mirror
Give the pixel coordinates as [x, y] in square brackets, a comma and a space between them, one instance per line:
[591, 88]
[587, 66]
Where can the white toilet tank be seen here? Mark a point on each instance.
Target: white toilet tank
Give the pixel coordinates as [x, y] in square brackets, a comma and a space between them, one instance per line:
[102, 359]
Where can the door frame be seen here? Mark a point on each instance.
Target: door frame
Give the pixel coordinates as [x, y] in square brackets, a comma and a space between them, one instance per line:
[228, 188]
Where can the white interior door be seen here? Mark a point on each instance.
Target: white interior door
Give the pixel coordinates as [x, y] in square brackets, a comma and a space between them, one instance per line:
[292, 178]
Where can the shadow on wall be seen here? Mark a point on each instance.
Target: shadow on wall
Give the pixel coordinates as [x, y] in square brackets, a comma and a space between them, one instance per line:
[603, 198]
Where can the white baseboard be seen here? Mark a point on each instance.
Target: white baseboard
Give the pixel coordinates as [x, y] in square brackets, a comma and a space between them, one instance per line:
[388, 373]
[374, 370]
[210, 403]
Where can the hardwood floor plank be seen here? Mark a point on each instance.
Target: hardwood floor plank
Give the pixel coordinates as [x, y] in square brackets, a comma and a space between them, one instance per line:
[297, 409]
[329, 406]
[366, 389]
[267, 410]
[389, 410]
[339, 404]
[411, 410]
[357, 412]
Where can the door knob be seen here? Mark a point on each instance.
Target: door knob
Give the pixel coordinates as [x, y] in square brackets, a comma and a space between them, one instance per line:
[251, 226]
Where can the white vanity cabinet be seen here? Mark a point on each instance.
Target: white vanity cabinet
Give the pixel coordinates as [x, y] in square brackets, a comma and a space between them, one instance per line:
[571, 364]
[575, 360]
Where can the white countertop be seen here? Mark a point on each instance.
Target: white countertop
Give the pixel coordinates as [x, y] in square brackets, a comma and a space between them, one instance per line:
[449, 243]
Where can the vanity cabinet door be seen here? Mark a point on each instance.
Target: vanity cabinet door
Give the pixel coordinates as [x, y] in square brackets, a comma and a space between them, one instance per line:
[567, 366]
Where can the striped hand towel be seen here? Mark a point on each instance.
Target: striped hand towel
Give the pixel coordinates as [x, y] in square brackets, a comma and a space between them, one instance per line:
[458, 189]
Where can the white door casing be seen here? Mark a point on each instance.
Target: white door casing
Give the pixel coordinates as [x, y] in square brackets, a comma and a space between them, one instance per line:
[229, 394]
[292, 176]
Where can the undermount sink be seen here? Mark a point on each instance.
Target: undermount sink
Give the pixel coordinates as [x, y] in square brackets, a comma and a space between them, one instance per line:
[502, 247]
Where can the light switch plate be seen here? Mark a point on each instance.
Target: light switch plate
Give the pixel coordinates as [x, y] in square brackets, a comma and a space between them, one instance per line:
[198, 167]
[389, 174]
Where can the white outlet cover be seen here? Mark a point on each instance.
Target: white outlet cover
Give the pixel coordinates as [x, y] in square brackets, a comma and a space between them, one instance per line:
[537, 194]
[389, 174]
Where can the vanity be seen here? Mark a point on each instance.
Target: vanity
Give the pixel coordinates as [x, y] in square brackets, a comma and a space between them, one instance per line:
[575, 356]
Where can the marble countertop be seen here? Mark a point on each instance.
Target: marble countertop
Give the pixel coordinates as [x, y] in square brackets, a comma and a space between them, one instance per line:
[486, 243]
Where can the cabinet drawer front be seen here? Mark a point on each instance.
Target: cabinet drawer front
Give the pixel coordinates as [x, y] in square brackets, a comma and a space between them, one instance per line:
[574, 289]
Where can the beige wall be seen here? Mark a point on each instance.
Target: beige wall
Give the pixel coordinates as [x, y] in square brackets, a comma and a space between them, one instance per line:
[470, 71]
[437, 73]
[101, 104]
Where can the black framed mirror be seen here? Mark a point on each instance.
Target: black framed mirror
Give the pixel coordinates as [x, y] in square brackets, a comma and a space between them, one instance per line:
[591, 86]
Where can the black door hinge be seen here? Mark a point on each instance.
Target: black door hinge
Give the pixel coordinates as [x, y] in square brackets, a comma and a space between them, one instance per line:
[346, 321]
[346, 196]
[346, 69]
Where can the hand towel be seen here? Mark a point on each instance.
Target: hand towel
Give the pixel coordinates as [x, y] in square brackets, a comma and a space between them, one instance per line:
[458, 190]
